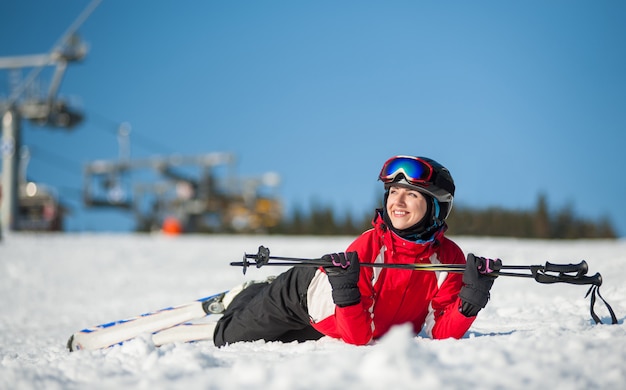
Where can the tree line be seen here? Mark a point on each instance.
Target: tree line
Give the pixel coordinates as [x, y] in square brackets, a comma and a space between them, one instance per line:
[540, 222]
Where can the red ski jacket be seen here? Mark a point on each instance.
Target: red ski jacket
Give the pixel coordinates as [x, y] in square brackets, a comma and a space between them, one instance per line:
[427, 300]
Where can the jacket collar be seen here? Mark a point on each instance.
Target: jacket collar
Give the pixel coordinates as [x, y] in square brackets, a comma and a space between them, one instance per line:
[394, 241]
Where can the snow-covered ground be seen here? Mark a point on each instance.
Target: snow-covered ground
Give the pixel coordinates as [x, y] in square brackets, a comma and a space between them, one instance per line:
[530, 336]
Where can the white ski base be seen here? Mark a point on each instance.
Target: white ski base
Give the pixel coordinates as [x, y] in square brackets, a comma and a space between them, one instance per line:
[185, 333]
[106, 335]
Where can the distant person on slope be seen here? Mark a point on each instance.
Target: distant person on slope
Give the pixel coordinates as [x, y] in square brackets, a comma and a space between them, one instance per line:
[358, 305]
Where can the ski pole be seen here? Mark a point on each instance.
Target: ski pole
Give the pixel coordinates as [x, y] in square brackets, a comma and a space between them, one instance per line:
[565, 273]
[538, 272]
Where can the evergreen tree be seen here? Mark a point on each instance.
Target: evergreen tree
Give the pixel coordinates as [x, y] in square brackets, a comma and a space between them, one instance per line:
[541, 222]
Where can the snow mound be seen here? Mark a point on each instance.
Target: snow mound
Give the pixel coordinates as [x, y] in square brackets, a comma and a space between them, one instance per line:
[530, 336]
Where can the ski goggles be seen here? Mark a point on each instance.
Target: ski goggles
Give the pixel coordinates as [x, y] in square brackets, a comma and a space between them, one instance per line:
[415, 170]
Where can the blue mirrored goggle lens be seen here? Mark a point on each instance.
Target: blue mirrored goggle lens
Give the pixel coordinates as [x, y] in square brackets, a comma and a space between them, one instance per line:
[414, 170]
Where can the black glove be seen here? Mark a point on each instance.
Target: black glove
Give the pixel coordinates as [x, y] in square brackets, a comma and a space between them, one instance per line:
[477, 283]
[343, 276]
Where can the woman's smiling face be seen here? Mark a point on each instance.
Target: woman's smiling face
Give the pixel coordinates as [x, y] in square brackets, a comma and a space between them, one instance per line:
[405, 207]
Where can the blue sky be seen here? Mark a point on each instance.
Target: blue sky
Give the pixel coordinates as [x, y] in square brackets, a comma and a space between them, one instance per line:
[515, 98]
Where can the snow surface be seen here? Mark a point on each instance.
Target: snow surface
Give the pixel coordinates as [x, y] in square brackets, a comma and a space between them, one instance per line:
[530, 336]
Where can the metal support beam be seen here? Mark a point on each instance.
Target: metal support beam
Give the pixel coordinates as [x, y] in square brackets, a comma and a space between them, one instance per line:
[11, 143]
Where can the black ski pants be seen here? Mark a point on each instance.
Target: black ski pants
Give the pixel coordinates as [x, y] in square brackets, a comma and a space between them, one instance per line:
[275, 311]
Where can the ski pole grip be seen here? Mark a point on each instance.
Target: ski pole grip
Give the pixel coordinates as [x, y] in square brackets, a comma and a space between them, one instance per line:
[580, 268]
[595, 280]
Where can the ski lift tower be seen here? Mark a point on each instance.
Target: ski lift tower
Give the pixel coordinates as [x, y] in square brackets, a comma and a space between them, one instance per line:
[48, 110]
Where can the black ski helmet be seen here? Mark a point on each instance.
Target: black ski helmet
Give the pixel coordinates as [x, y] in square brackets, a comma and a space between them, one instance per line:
[424, 175]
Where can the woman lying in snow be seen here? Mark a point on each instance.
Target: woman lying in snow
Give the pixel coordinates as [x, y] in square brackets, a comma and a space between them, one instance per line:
[359, 304]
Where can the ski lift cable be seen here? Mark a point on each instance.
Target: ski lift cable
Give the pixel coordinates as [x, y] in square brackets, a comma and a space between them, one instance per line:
[111, 126]
[60, 162]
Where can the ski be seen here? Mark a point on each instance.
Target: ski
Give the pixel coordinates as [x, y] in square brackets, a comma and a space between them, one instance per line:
[117, 332]
[184, 333]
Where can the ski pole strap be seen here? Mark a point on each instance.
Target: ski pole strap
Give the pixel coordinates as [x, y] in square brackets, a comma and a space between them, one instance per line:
[579, 278]
[595, 290]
